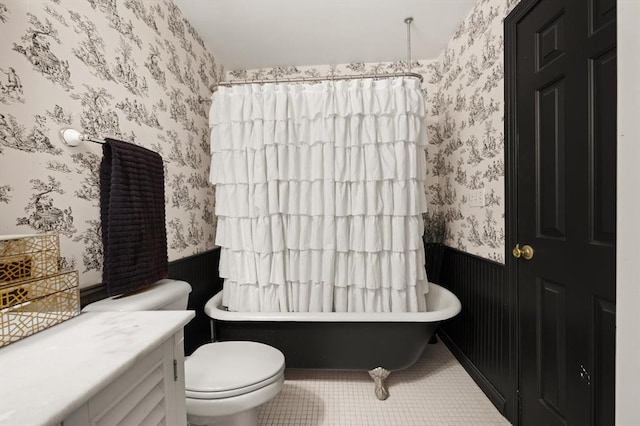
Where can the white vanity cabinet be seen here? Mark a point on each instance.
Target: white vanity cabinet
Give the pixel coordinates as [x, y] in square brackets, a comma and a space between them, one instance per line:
[101, 368]
[151, 392]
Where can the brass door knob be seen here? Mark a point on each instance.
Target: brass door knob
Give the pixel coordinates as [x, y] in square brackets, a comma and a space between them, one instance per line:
[526, 252]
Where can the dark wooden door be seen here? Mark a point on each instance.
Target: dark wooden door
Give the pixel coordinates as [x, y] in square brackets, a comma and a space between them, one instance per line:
[566, 208]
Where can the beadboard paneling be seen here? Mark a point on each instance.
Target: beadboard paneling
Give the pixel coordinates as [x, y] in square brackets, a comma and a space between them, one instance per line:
[479, 335]
[201, 271]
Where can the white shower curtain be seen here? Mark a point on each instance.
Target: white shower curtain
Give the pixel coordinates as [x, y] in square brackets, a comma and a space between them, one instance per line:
[320, 195]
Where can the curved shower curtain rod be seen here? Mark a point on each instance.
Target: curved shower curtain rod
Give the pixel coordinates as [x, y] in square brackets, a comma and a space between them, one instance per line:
[330, 77]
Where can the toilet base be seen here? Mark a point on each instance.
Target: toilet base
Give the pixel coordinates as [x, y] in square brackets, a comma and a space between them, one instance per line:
[245, 418]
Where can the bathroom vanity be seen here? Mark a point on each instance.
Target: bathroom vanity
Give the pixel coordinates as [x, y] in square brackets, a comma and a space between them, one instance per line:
[98, 368]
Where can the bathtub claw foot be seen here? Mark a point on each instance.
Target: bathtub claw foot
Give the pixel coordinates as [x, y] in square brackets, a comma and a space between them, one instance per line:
[378, 375]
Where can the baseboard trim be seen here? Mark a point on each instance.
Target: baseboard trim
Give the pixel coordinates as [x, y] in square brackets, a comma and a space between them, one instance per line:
[492, 393]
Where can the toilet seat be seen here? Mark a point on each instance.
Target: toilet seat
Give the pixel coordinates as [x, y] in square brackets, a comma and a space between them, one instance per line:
[228, 369]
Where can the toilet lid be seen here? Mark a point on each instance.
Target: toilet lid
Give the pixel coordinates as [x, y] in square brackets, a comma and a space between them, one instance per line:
[225, 369]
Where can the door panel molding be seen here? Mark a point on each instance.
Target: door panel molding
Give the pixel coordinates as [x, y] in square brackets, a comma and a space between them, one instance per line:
[601, 14]
[602, 149]
[550, 153]
[550, 43]
[551, 323]
[603, 326]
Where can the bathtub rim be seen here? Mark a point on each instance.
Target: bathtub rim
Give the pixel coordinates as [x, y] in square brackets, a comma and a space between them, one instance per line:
[451, 308]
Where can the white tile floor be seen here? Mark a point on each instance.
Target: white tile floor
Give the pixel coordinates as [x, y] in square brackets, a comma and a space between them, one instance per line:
[435, 391]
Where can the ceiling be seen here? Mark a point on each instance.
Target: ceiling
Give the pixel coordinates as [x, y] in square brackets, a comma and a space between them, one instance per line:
[247, 34]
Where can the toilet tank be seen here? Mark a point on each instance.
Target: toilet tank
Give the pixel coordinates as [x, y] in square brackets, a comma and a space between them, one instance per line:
[167, 294]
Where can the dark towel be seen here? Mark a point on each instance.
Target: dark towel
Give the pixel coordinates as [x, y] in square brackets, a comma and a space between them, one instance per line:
[132, 211]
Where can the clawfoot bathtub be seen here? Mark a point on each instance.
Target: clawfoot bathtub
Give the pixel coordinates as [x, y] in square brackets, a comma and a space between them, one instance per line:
[376, 342]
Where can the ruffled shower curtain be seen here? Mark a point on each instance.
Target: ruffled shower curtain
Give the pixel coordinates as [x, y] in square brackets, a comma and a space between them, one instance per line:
[320, 195]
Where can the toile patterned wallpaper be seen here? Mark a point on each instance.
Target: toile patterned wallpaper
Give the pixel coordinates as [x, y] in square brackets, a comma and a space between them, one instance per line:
[467, 127]
[134, 70]
[129, 69]
[464, 92]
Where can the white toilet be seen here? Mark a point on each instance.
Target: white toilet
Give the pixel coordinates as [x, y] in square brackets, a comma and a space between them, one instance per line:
[225, 382]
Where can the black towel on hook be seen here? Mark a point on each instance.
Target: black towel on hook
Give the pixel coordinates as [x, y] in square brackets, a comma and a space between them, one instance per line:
[132, 212]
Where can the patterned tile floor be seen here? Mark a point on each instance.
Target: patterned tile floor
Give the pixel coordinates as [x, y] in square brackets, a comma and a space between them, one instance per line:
[435, 391]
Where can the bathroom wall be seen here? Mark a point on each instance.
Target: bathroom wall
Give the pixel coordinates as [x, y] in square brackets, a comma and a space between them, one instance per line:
[628, 211]
[129, 69]
[467, 125]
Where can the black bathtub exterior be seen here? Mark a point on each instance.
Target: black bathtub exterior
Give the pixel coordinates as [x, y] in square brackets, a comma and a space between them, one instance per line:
[335, 345]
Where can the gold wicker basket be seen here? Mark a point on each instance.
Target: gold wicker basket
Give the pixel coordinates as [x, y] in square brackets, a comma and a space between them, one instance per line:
[24, 257]
[34, 294]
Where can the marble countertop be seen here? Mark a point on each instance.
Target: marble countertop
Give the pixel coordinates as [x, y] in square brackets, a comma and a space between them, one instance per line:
[47, 376]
